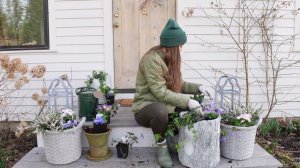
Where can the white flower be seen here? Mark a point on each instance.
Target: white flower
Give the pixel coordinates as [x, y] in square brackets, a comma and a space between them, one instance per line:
[246, 117]
[124, 139]
[68, 111]
[63, 115]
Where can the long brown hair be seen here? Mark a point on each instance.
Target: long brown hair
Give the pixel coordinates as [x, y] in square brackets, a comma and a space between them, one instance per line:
[173, 62]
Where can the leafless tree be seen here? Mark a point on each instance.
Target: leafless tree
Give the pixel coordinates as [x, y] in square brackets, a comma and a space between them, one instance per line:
[255, 20]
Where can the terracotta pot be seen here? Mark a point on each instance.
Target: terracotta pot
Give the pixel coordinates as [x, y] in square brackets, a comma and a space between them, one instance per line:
[98, 145]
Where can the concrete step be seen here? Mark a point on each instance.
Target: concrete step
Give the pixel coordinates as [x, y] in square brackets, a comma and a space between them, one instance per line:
[143, 157]
[120, 124]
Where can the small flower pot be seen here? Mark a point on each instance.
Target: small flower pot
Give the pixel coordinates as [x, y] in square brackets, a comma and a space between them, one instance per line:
[110, 99]
[122, 150]
[98, 143]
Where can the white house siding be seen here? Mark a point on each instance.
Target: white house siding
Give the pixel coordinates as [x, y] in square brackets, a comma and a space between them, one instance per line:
[80, 41]
[203, 58]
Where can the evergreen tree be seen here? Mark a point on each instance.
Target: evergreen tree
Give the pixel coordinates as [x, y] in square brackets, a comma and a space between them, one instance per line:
[12, 21]
[2, 23]
[33, 27]
[16, 18]
[8, 30]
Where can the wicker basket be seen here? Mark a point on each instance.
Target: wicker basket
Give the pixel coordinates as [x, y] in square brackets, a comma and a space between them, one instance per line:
[63, 147]
[238, 143]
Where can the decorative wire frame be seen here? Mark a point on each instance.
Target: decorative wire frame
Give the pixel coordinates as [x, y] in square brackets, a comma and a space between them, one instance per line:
[55, 91]
[234, 89]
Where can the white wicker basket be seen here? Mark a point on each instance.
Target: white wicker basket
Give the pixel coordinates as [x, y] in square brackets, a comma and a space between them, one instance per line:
[238, 143]
[63, 147]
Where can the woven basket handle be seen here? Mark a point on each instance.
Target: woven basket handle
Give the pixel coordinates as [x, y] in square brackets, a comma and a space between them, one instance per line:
[81, 122]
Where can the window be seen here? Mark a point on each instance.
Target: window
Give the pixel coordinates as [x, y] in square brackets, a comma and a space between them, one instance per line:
[24, 25]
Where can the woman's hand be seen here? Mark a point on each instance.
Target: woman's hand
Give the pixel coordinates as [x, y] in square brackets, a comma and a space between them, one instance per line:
[204, 91]
[193, 104]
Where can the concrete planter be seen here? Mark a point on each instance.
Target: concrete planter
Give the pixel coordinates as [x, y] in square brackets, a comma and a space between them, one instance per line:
[200, 150]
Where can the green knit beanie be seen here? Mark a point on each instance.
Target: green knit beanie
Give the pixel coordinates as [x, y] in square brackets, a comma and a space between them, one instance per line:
[172, 35]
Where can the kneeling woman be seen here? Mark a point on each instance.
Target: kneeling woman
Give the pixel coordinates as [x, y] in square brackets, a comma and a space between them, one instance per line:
[160, 88]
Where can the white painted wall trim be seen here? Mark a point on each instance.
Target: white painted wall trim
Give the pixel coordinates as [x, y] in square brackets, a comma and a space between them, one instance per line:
[52, 25]
[108, 40]
[297, 29]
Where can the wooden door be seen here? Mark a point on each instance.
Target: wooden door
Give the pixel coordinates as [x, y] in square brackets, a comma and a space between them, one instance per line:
[136, 30]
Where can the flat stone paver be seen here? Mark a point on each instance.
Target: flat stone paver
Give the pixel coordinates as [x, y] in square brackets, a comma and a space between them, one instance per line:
[143, 157]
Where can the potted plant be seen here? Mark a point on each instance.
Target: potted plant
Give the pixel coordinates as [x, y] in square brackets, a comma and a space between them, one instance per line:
[107, 111]
[97, 137]
[199, 136]
[238, 132]
[62, 135]
[124, 143]
[107, 91]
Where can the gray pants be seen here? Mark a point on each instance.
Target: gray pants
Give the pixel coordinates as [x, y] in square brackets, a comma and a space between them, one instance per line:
[155, 116]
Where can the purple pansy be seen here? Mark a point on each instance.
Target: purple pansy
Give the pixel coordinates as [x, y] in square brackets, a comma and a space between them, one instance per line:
[212, 107]
[219, 110]
[75, 123]
[66, 125]
[212, 104]
[99, 119]
[207, 109]
[100, 107]
[107, 107]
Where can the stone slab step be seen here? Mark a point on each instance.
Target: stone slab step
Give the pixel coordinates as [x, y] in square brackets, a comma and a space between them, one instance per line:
[143, 157]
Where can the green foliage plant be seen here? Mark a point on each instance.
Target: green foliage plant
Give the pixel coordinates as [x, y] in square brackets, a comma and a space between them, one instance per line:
[89, 82]
[129, 139]
[242, 116]
[198, 97]
[102, 76]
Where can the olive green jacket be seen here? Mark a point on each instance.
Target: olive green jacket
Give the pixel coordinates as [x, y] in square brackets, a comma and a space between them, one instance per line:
[151, 85]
